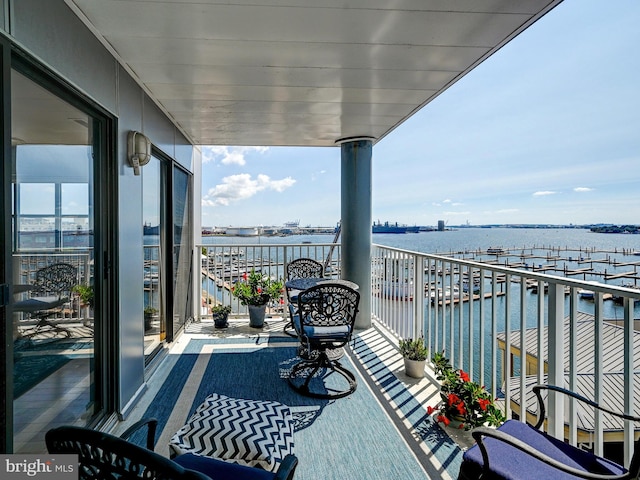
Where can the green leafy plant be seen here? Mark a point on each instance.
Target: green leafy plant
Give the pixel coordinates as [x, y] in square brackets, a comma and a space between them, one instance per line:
[150, 311]
[85, 293]
[462, 399]
[413, 349]
[257, 289]
[220, 310]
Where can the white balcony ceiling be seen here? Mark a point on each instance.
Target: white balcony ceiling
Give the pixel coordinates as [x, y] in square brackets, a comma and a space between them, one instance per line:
[298, 72]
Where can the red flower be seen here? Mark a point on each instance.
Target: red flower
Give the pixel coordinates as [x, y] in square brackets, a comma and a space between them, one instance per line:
[281, 301]
[453, 399]
[430, 410]
[443, 419]
[464, 376]
[244, 276]
[483, 403]
[461, 426]
[259, 289]
[461, 409]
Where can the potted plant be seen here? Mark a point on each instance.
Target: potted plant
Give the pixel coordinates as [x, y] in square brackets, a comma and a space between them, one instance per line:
[149, 312]
[463, 401]
[85, 294]
[415, 354]
[220, 315]
[256, 290]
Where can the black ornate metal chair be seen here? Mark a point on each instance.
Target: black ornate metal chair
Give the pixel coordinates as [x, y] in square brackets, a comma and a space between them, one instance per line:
[300, 268]
[518, 451]
[324, 322]
[50, 291]
[103, 456]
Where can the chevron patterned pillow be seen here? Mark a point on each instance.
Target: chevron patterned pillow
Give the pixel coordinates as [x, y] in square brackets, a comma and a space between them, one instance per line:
[249, 432]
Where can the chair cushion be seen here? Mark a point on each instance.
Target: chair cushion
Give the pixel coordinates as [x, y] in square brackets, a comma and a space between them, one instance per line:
[507, 462]
[220, 469]
[37, 304]
[338, 332]
[248, 432]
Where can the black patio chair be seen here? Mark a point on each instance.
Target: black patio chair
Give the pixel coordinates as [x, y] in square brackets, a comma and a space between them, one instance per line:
[102, 455]
[518, 451]
[300, 268]
[50, 291]
[324, 323]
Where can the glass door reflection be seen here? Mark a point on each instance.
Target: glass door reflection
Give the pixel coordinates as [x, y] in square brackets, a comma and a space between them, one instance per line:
[154, 176]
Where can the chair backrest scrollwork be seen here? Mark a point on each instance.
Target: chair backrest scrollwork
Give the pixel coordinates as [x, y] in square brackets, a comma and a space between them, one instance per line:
[106, 456]
[57, 279]
[328, 305]
[304, 268]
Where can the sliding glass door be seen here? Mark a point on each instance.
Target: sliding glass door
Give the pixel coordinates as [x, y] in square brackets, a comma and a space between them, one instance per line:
[55, 148]
[154, 211]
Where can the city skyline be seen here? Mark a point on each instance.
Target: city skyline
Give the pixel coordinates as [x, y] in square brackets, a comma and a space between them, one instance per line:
[543, 132]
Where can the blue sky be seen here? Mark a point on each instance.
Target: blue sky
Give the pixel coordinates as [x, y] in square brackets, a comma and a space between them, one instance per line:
[547, 130]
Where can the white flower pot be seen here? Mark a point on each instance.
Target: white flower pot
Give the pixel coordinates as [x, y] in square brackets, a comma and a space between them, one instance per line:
[414, 368]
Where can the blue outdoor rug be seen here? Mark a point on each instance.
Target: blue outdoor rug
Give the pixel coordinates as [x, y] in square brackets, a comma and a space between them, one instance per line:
[353, 432]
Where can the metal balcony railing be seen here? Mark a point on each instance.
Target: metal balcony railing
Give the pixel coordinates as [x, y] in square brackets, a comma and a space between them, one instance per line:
[223, 265]
[512, 328]
[509, 328]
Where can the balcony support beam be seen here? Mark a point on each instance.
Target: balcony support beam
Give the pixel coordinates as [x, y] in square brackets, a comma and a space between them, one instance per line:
[356, 156]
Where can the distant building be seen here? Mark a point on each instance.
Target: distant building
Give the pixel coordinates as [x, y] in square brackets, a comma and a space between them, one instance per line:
[441, 225]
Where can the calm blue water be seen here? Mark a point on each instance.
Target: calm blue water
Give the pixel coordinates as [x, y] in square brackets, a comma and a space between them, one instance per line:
[467, 239]
[581, 243]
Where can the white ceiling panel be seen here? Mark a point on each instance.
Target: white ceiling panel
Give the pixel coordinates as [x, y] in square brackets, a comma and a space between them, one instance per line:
[287, 72]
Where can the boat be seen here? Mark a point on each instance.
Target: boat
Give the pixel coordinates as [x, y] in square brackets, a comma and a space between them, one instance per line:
[387, 227]
[586, 294]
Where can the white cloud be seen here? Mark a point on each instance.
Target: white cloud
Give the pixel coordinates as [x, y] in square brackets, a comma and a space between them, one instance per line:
[228, 155]
[544, 193]
[456, 213]
[240, 187]
[583, 189]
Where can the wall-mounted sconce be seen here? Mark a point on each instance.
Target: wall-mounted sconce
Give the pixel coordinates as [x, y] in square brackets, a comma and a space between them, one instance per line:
[138, 150]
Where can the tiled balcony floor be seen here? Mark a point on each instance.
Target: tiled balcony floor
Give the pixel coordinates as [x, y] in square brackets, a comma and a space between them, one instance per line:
[399, 402]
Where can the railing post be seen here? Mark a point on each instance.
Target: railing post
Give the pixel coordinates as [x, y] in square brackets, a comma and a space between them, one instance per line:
[628, 379]
[418, 296]
[556, 358]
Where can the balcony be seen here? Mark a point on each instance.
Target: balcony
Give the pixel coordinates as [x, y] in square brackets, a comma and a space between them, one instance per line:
[483, 316]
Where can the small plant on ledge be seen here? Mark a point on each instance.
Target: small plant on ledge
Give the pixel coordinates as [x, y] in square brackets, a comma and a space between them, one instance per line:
[220, 314]
[415, 354]
[85, 293]
[413, 349]
[463, 401]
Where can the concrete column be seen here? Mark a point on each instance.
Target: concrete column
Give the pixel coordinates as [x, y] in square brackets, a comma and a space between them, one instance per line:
[356, 157]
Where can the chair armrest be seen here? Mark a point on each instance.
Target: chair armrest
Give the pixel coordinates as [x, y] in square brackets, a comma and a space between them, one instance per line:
[537, 389]
[287, 468]
[480, 432]
[150, 423]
